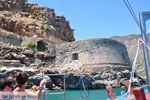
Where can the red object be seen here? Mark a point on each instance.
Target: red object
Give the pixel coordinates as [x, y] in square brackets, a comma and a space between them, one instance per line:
[139, 93]
[111, 92]
[132, 97]
[126, 85]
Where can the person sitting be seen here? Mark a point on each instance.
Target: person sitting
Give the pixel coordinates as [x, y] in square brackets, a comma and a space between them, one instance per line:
[22, 81]
[7, 84]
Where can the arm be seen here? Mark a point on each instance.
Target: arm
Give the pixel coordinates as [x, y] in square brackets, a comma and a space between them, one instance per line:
[38, 93]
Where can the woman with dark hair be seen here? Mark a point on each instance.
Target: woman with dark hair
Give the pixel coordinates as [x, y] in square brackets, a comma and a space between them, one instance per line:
[7, 84]
[22, 81]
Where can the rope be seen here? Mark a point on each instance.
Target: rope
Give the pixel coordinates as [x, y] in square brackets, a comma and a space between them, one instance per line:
[134, 66]
[129, 7]
[86, 94]
[145, 44]
[133, 69]
[135, 59]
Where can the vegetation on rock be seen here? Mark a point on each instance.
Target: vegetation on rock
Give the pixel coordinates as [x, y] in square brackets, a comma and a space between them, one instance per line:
[31, 45]
[68, 69]
[46, 28]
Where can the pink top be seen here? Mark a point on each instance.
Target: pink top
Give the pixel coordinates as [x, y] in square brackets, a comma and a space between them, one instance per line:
[7, 89]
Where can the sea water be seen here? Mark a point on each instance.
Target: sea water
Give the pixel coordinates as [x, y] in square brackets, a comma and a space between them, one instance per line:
[79, 95]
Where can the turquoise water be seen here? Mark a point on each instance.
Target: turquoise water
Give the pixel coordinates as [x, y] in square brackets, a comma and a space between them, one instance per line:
[123, 96]
[76, 95]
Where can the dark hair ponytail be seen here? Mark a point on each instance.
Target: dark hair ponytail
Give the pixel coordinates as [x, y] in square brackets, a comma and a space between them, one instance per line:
[21, 79]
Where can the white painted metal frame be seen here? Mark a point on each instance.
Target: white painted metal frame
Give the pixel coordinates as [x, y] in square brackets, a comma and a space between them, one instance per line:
[64, 85]
[144, 16]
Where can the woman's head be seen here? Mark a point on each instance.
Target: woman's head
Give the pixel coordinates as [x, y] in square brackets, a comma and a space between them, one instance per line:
[22, 79]
[7, 84]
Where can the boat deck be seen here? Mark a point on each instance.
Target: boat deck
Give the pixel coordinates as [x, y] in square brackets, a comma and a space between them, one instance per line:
[132, 97]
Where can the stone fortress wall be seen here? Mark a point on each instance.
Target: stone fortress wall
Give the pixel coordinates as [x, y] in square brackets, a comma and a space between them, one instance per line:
[76, 54]
[91, 52]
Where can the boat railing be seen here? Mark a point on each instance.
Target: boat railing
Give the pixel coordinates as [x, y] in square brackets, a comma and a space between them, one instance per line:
[64, 86]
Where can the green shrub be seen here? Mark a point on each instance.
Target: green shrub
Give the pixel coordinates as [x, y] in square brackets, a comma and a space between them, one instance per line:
[69, 69]
[2, 59]
[46, 28]
[34, 13]
[7, 35]
[23, 65]
[31, 45]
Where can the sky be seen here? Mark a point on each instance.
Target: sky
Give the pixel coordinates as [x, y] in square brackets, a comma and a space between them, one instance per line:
[98, 18]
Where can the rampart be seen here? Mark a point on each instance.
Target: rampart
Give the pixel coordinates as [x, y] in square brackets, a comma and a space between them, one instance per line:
[91, 52]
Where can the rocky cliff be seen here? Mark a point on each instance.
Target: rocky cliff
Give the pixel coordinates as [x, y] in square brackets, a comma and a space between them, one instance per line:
[25, 19]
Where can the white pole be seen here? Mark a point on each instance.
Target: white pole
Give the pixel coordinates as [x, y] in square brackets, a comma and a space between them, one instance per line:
[65, 87]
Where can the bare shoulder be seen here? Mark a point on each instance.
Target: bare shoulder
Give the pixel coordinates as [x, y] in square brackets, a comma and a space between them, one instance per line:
[29, 92]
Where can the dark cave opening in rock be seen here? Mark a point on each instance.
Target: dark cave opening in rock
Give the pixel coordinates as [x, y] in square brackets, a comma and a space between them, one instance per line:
[42, 46]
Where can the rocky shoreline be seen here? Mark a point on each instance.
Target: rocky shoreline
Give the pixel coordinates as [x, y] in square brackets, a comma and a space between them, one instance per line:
[91, 81]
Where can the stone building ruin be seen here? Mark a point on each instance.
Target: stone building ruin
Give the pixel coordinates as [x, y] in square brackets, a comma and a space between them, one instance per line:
[91, 52]
[76, 54]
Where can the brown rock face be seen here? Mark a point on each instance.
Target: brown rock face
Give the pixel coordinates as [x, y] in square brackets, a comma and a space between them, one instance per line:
[26, 19]
[12, 5]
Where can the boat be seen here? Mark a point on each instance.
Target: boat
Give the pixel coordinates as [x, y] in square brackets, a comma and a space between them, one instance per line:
[138, 93]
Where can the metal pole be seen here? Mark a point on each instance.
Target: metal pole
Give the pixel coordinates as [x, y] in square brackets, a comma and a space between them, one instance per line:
[146, 55]
[65, 87]
[86, 95]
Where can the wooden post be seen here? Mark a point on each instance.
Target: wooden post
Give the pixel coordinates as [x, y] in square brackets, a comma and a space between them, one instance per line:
[127, 85]
[139, 93]
[111, 92]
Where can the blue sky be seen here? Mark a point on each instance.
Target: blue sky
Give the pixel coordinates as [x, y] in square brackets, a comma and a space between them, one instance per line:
[97, 18]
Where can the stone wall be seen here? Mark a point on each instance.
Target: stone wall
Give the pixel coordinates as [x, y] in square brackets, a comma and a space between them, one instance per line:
[75, 54]
[91, 52]
[11, 39]
[130, 42]
[17, 50]
[42, 45]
